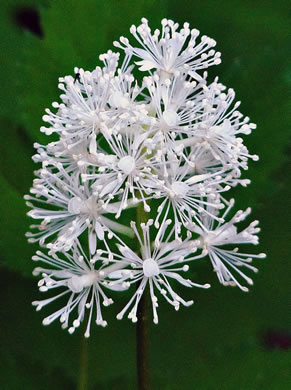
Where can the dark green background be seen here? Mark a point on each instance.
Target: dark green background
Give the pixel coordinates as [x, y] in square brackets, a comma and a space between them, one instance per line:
[222, 341]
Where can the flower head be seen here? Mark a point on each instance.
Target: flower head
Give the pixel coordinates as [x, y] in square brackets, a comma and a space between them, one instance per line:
[171, 143]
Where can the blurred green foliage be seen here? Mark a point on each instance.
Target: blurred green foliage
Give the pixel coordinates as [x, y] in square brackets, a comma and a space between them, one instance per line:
[218, 343]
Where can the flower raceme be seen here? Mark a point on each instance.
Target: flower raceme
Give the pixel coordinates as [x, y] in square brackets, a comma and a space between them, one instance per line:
[171, 145]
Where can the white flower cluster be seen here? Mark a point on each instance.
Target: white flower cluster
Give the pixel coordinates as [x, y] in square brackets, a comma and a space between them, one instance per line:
[168, 145]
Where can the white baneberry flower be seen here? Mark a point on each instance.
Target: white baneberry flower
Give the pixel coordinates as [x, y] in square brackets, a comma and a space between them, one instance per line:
[96, 102]
[218, 127]
[213, 236]
[170, 50]
[185, 195]
[76, 276]
[154, 267]
[123, 172]
[175, 104]
[86, 101]
[70, 156]
[67, 209]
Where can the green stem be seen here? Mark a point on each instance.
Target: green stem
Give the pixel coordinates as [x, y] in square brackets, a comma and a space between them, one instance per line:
[83, 375]
[142, 344]
[142, 326]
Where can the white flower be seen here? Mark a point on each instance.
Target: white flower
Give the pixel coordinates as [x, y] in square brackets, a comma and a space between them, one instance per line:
[175, 103]
[218, 127]
[170, 50]
[154, 267]
[123, 172]
[70, 156]
[226, 261]
[67, 209]
[75, 275]
[185, 194]
[84, 101]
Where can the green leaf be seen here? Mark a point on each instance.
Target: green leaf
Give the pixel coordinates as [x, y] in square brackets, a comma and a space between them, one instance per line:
[12, 40]
[16, 148]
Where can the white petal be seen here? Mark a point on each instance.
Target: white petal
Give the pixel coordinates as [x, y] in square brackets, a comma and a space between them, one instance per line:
[117, 227]
[93, 144]
[92, 242]
[99, 230]
[117, 287]
[178, 277]
[109, 188]
[146, 65]
[74, 205]
[197, 178]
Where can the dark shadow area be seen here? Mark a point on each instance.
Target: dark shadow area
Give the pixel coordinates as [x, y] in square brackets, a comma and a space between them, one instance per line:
[277, 339]
[28, 18]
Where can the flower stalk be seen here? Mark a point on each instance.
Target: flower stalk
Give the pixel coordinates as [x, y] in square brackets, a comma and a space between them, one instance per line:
[143, 344]
[84, 365]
